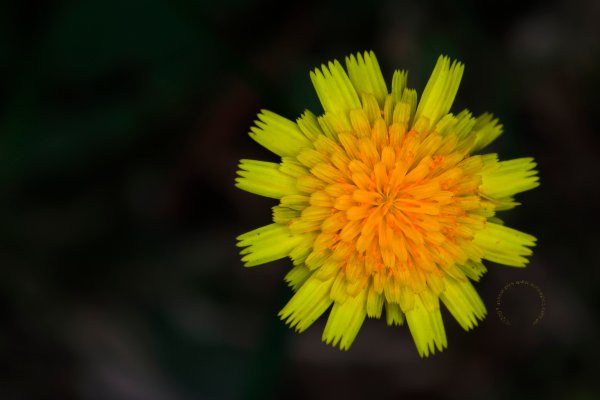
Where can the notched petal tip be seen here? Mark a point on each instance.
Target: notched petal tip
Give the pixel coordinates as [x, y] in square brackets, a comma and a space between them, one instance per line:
[440, 91]
[345, 320]
[427, 329]
[334, 89]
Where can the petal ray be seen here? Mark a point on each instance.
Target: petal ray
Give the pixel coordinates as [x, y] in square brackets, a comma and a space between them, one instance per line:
[440, 90]
[265, 179]
[334, 88]
[366, 76]
[345, 321]
[426, 328]
[504, 245]
[268, 243]
[278, 134]
[308, 304]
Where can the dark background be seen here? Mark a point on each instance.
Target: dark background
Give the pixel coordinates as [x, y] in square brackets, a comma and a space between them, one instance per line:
[121, 124]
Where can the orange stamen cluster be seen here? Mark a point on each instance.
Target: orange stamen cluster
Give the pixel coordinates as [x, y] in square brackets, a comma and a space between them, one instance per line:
[389, 208]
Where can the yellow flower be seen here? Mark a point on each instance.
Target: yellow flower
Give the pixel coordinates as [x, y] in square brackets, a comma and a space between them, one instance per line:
[382, 203]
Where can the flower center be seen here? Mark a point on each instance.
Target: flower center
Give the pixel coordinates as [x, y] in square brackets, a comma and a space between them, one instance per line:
[393, 207]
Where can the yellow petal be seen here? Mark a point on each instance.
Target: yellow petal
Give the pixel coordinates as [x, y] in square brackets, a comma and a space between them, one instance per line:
[502, 179]
[504, 245]
[278, 134]
[307, 305]
[297, 276]
[463, 302]
[265, 178]
[334, 88]
[366, 76]
[399, 80]
[374, 303]
[393, 314]
[345, 321]
[440, 90]
[427, 328]
[309, 125]
[486, 130]
[268, 243]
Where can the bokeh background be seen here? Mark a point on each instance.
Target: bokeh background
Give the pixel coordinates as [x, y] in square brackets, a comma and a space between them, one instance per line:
[121, 124]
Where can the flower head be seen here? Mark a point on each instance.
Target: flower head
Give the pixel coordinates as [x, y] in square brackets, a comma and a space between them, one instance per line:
[383, 206]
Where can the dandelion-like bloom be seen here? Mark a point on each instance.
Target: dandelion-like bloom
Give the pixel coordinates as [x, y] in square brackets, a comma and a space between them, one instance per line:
[383, 203]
